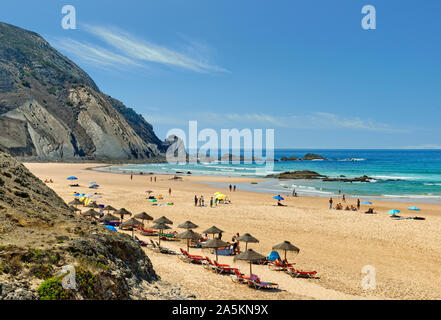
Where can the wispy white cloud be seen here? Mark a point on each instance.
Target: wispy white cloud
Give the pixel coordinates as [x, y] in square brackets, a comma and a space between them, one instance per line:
[124, 51]
[97, 55]
[311, 121]
[143, 50]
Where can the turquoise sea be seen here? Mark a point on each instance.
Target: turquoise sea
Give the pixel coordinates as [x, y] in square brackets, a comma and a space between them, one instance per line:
[408, 175]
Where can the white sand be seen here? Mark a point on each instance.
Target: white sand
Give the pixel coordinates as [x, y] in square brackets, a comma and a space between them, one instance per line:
[337, 244]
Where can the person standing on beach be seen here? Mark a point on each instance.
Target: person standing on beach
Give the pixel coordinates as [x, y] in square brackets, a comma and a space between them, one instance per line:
[169, 191]
[211, 202]
[155, 179]
[131, 176]
[151, 179]
[230, 187]
[234, 188]
[343, 198]
[202, 201]
[358, 204]
[195, 200]
[330, 203]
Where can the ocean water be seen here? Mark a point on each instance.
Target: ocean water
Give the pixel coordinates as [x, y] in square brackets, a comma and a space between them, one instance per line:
[413, 175]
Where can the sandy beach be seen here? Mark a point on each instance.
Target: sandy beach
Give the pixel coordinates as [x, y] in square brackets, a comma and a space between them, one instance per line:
[406, 254]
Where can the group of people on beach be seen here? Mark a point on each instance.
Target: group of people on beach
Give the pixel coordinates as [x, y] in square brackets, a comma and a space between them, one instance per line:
[232, 188]
[339, 206]
[200, 201]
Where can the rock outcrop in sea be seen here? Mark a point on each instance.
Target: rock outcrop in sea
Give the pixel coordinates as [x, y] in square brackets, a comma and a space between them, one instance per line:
[51, 109]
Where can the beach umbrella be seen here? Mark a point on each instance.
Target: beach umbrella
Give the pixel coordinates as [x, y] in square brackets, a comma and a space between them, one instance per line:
[278, 198]
[111, 228]
[90, 213]
[75, 202]
[366, 202]
[393, 212]
[161, 227]
[123, 212]
[72, 178]
[143, 216]
[213, 230]
[74, 209]
[153, 200]
[286, 246]
[149, 191]
[215, 244]
[109, 208]
[189, 235]
[251, 256]
[109, 217]
[188, 225]
[94, 186]
[414, 208]
[247, 238]
[163, 220]
[132, 223]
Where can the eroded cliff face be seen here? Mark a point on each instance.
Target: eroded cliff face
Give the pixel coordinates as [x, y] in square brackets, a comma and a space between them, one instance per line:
[51, 109]
[40, 235]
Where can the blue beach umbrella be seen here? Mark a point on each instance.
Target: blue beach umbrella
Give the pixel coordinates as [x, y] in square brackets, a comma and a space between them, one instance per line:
[94, 186]
[278, 198]
[414, 208]
[72, 178]
[111, 228]
[393, 211]
[366, 202]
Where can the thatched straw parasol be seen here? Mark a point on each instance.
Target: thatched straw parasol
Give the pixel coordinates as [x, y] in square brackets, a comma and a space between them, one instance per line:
[247, 238]
[143, 216]
[251, 256]
[109, 217]
[122, 212]
[93, 205]
[188, 225]
[75, 202]
[163, 220]
[189, 235]
[215, 244]
[213, 230]
[132, 222]
[109, 208]
[90, 213]
[161, 227]
[286, 246]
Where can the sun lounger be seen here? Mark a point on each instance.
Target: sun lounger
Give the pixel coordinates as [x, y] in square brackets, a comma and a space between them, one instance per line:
[255, 282]
[158, 248]
[226, 269]
[300, 273]
[214, 266]
[239, 277]
[278, 266]
[190, 258]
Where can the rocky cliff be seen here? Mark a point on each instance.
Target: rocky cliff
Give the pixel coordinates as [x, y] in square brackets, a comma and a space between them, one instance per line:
[50, 109]
[39, 235]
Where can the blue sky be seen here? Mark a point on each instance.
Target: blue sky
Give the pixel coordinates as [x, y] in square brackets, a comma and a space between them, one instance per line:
[305, 68]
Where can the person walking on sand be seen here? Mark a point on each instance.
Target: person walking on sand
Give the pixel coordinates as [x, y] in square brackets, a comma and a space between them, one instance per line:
[330, 203]
[155, 179]
[230, 187]
[358, 204]
[131, 176]
[169, 191]
[195, 200]
[151, 179]
[234, 188]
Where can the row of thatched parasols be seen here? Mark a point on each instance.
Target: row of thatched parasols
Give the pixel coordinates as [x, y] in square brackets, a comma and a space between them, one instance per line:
[163, 223]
